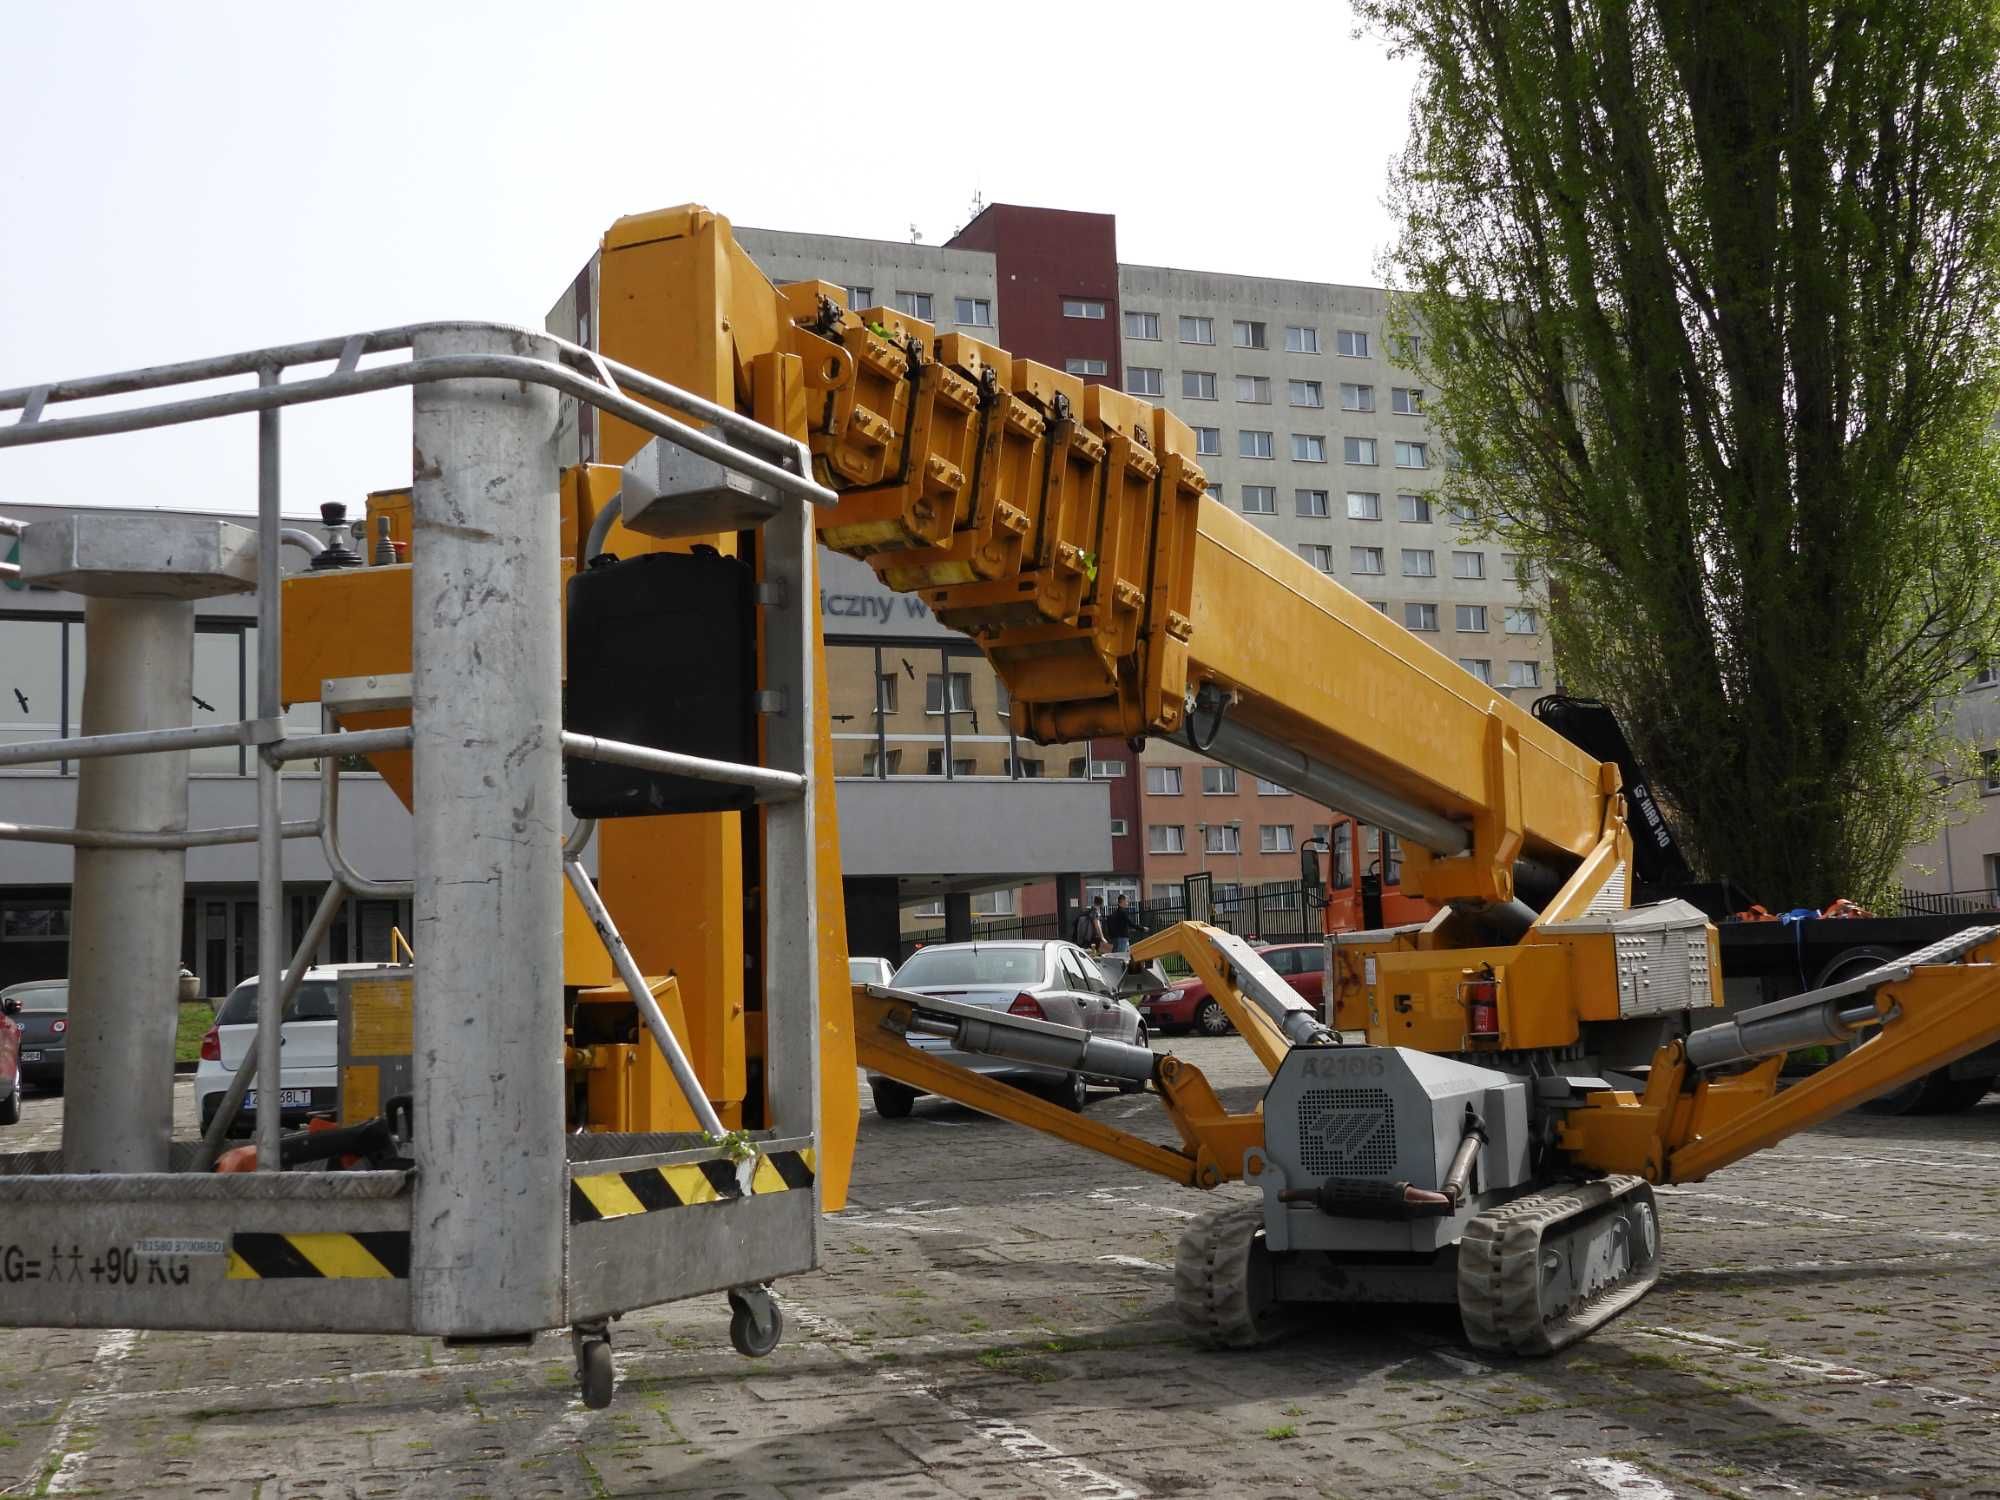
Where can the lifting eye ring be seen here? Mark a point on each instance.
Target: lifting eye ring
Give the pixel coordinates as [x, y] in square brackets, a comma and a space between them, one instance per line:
[833, 370]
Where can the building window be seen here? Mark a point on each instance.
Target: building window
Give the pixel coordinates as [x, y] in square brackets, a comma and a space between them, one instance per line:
[1001, 702]
[1023, 768]
[1363, 505]
[1319, 554]
[1251, 443]
[1472, 617]
[1163, 781]
[1415, 508]
[1082, 307]
[934, 764]
[1218, 781]
[1306, 393]
[1208, 442]
[1468, 565]
[914, 305]
[1260, 499]
[1522, 621]
[973, 312]
[1144, 380]
[1311, 504]
[1166, 892]
[1301, 340]
[1380, 606]
[1197, 330]
[38, 922]
[1358, 450]
[1411, 349]
[1142, 325]
[1364, 559]
[1406, 401]
[1119, 828]
[1519, 567]
[961, 692]
[1352, 342]
[1984, 677]
[1419, 562]
[1214, 491]
[1077, 366]
[1274, 838]
[1247, 335]
[1166, 838]
[1308, 448]
[882, 763]
[1524, 674]
[1420, 617]
[1412, 456]
[1223, 838]
[1107, 770]
[1271, 789]
[1256, 389]
[1198, 385]
[859, 297]
[1356, 397]
[885, 692]
[993, 904]
[1478, 666]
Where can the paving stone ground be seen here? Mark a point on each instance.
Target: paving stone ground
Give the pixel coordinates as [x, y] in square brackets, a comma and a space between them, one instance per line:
[994, 1320]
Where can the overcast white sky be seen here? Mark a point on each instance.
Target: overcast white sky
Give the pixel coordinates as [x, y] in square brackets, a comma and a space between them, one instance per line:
[196, 178]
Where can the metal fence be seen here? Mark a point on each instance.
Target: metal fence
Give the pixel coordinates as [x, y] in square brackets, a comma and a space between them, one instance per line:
[1274, 913]
[1947, 903]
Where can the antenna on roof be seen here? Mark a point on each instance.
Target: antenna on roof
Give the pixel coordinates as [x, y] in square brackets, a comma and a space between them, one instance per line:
[916, 235]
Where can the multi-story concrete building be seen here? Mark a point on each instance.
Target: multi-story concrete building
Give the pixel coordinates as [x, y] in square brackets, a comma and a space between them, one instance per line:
[1963, 861]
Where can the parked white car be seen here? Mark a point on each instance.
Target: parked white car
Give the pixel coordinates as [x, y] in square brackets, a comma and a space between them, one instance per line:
[869, 970]
[309, 1083]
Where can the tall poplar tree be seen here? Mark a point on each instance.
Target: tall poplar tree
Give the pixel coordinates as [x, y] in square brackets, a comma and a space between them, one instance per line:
[1705, 294]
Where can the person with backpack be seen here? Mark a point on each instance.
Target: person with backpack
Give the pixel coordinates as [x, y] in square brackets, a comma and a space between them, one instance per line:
[1089, 931]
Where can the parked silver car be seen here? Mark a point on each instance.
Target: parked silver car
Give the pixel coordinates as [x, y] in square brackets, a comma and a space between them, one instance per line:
[1049, 981]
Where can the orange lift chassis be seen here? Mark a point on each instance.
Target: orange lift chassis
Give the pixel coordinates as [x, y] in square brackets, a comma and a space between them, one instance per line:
[1477, 1121]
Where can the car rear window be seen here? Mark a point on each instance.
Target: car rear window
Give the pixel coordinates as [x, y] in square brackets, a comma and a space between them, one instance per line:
[49, 997]
[934, 967]
[315, 1001]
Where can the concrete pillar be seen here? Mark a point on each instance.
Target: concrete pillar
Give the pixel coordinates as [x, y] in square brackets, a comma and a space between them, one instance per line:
[125, 948]
[958, 917]
[487, 714]
[874, 922]
[138, 576]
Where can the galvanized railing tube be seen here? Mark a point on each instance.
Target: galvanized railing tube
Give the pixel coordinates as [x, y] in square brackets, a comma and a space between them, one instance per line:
[486, 707]
[270, 809]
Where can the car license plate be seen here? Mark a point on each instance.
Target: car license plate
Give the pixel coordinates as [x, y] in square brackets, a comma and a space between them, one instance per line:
[31, 1057]
[287, 1098]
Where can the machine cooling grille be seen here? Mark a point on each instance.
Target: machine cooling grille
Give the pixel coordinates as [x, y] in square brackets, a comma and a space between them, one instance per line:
[1347, 1132]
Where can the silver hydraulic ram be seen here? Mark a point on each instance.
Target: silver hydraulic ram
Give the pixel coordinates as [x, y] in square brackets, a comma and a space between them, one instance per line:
[1819, 1017]
[1022, 1039]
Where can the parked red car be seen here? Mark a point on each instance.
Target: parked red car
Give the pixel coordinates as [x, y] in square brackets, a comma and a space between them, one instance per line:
[10, 1061]
[1192, 1008]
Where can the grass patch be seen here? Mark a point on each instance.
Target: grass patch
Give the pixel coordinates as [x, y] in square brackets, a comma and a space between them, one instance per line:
[1280, 1434]
[195, 1018]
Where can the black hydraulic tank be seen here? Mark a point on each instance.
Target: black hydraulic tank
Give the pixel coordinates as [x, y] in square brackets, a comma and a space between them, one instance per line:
[662, 652]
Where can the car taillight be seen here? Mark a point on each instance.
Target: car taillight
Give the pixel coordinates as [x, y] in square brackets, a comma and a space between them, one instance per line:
[58, 1026]
[1027, 1005]
[1482, 1008]
[211, 1046]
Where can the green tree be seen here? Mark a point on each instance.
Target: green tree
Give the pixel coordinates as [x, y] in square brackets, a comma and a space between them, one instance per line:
[1705, 291]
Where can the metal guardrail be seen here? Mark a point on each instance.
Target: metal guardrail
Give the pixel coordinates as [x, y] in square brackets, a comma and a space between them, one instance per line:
[734, 441]
[1947, 903]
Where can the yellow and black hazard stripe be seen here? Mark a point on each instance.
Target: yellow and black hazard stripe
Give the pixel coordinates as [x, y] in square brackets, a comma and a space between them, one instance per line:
[645, 1190]
[383, 1255]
